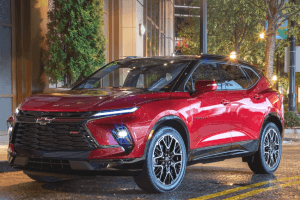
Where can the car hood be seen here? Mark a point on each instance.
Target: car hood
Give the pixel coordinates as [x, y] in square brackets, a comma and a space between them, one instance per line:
[90, 100]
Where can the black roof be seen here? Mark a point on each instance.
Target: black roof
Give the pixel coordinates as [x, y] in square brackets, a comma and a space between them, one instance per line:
[195, 57]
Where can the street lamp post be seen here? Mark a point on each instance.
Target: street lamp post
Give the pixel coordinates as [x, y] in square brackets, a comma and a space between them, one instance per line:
[292, 94]
[203, 26]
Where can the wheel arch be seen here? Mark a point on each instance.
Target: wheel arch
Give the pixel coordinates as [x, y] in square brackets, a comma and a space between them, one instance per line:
[270, 117]
[274, 118]
[175, 122]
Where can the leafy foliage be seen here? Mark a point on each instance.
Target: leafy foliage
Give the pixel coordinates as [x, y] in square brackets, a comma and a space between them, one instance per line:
[276, 12]
[235, 26]
[231, 26]
[75, 38]
[291, 119]
[283, 82]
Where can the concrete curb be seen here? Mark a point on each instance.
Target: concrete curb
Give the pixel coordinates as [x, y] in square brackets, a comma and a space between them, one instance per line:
[292, 130]
[291, 133]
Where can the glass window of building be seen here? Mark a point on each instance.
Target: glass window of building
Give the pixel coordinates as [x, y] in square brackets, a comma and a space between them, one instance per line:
[155, 20]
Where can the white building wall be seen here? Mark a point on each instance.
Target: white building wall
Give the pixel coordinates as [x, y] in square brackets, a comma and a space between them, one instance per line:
[128, 28]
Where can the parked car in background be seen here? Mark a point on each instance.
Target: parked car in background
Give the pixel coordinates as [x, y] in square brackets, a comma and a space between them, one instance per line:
[150, 118]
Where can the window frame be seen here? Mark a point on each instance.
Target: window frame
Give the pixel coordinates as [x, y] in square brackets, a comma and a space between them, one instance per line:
[194, 69]
[242, 67]
[239, 66]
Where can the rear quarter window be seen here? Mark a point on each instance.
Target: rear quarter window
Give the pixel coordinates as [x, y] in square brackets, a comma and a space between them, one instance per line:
[253, 78]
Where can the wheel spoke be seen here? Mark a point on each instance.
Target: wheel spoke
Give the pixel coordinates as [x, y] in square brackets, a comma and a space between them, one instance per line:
[177, 163]
[171, 177]
[166, 146]
[272, 160]
[266, 154]
[169, 141]
[165, 178]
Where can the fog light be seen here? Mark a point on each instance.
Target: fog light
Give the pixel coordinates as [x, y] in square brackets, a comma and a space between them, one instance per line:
[123, 137]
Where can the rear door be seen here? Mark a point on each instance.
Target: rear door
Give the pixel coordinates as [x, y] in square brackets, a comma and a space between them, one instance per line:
[210, 110]
[257, 104]
[244, 107]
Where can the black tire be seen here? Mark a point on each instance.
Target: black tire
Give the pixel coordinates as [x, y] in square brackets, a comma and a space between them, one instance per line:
[266, 160]
[172, 163]
[44, 179]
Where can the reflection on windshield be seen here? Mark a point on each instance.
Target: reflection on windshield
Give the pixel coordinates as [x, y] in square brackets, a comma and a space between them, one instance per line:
[154, 75]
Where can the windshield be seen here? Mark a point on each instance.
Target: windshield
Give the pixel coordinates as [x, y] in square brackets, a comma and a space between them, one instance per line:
[150, 74]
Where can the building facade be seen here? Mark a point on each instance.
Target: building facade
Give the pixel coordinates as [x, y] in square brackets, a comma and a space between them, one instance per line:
[184, 9]
[141, 28]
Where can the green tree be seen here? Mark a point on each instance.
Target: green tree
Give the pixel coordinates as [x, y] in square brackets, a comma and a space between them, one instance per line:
[232, 26]
[75, 38]
[276, 12]
[235, 25]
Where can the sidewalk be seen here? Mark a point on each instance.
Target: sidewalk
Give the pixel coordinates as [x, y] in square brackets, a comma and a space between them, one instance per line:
[291, 135]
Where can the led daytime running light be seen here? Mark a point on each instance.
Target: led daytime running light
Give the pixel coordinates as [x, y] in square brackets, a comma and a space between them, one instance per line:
[115, 112]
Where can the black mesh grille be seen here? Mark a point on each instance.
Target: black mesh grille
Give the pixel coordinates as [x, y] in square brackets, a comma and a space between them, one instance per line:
[53, 164]
[53, 137]
[25, 113]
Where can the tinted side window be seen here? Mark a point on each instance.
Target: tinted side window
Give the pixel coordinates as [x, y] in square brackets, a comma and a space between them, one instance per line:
[206, 71]
[233, 77]
[252, 76]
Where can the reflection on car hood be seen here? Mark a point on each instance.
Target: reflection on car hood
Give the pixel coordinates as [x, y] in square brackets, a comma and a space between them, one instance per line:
[90, 100]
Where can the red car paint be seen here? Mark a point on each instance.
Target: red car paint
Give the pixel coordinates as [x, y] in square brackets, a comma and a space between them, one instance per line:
[212, 118]
[209, 122]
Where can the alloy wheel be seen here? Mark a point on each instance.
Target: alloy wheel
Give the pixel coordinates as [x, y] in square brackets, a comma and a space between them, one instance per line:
[271, 148]
[167, 160]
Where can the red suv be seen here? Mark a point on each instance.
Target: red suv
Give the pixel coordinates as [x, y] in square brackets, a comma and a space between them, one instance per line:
[149, 118]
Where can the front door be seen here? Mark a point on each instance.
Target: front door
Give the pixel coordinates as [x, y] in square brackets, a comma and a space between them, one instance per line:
[210, 110]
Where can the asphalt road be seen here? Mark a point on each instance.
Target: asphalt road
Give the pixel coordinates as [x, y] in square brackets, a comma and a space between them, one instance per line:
[229, 179]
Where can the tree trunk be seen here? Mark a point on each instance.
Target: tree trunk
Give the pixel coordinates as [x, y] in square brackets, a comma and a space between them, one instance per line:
[272, 14]
[270, 51]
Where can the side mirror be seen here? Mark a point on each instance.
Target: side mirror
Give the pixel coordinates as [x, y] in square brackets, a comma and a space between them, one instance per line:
[205, 86]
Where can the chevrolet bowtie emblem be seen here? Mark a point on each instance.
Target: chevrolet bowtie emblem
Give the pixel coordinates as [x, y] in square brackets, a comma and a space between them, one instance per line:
[44, 120]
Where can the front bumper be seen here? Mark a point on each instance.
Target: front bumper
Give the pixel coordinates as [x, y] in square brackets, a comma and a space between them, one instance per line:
[71, 163]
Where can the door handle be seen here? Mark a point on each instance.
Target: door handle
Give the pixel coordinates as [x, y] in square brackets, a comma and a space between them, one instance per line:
[224, 102]
[257, 96]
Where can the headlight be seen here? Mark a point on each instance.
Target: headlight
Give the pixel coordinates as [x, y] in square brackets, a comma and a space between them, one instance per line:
[108, 113]
[123, 137]
[17, 109]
